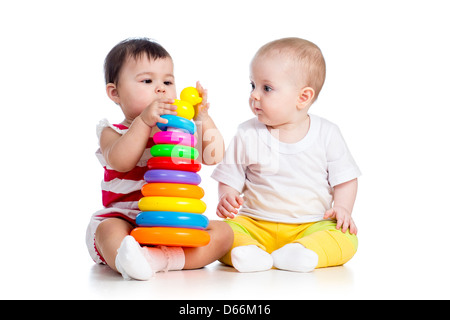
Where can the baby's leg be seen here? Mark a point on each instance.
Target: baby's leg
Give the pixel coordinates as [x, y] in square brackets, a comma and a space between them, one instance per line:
[321, 245]
[124, 254]
[333, 247]
[134, 261]
[295, 257]
[247, 254]
[141, 263]
[108, 237]
[221, 241]
[251, 258]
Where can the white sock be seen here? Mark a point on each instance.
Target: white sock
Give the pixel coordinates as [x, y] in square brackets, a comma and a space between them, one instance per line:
[250, 259]
[131, 262]
[174, 257]
[295, 257]
[141, 263]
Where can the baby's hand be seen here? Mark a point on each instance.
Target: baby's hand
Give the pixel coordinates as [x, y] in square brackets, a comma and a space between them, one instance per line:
[201, 110]
[152, 114]
[343, 219]
[228, 205]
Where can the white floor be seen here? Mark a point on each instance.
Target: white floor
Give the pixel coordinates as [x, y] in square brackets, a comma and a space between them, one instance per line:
[219, 282]
[368, 276]
[401, 255]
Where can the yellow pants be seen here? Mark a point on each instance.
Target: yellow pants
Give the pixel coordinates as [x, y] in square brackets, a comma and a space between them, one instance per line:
[333, 247]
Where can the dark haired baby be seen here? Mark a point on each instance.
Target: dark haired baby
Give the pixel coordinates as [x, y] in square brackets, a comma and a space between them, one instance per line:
[140, 79]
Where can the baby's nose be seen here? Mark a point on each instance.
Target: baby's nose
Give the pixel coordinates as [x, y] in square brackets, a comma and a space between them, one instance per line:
[254, 96]
[161, 89]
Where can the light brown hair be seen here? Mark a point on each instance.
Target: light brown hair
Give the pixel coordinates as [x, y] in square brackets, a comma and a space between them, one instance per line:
[305, 54]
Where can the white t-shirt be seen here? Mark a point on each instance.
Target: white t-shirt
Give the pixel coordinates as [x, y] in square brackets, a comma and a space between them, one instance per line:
[286, 182]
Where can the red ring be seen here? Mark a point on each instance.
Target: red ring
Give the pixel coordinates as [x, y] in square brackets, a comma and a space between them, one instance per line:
[173, 163]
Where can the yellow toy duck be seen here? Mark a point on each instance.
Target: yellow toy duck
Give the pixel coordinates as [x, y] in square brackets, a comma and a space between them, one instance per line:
[189, 97]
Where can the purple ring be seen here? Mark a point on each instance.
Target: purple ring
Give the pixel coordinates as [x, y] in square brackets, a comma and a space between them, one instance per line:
[172, 176]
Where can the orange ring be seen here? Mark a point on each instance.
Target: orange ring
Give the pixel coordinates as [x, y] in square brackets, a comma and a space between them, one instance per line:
[177, 237]
[172, 190]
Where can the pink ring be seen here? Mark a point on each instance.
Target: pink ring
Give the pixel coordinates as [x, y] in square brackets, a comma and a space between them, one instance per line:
[174, 137]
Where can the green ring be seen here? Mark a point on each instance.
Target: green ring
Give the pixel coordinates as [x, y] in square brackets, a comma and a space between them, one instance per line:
[174, 150]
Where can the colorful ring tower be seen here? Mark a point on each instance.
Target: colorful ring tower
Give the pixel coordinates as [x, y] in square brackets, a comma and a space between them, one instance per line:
[171, 207]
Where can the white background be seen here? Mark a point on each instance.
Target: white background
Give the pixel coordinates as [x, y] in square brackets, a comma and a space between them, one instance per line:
[387, 88]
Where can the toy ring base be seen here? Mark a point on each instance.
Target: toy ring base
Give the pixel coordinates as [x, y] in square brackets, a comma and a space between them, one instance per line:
[176, 237]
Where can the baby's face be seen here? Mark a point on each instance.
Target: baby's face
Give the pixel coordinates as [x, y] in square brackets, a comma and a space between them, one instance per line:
[143, 81]
[275, 89]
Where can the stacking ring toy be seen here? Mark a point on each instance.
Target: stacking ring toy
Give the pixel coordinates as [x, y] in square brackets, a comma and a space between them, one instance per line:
[173, 150]
[169, 163]
[172, 219]
[172, 190]
[176, 122]
[177, 237]
[184, 109]
[171, 204]
[172, 176]
[173, 137]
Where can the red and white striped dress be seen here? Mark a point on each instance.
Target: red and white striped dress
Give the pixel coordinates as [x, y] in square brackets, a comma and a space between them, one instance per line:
[121, 191]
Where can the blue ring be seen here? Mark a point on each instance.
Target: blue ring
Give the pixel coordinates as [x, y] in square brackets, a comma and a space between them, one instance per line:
[177, 122]
[172, 219]
[172, 176]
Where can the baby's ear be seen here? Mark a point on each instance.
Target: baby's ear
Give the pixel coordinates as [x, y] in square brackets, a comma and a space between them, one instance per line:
[112, 92]
[306, 97]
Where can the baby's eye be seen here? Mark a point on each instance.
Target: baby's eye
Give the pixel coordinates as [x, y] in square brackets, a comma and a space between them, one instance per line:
[148, 81]
[168, 83]
[252, 85]
[267, 88]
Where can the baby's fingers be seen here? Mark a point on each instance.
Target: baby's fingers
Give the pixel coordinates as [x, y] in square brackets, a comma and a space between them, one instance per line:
[202, 91]
[236, 202]
[343, 223]
[162, 120]
[230, 205]
[330, 214]
[353, 228]
[168, 109]
[219, 214]
[167, 101]
[344, 226]
[163, 110]
[223, 212]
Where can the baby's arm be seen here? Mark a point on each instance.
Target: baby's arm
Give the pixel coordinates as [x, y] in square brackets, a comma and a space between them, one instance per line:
[212, 145]
[122, 152]
[344, 199]
[229, 201]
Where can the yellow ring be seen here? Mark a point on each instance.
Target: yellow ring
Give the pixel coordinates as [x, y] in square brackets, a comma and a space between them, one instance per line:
[172, 204]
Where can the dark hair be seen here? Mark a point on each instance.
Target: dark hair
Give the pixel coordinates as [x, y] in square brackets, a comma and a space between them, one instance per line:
[133, 47]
